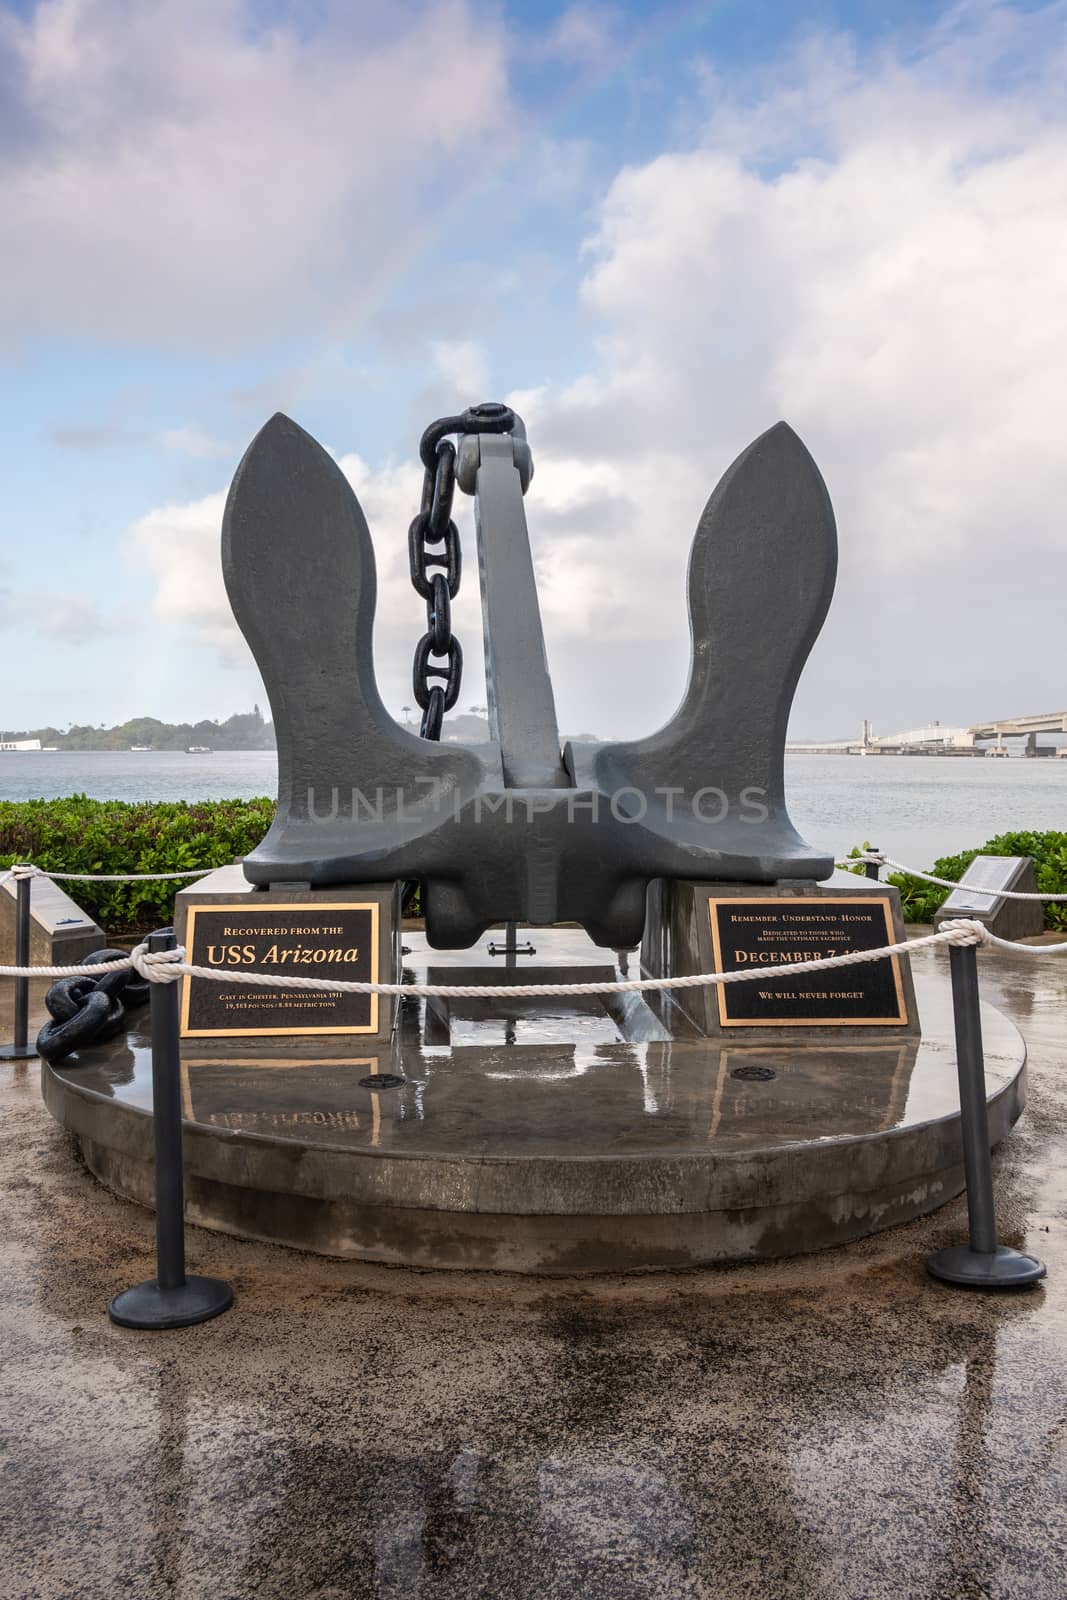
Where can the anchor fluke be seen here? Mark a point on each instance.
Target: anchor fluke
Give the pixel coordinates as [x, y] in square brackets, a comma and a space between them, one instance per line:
[761, 575]
[355, 789]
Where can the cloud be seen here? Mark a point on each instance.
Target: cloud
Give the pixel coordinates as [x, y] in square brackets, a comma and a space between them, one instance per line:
[463, 368]
[193, 442]
[59, 616]
[93, 436]
[178, 546]
[90, 436]
[868, 246]
[872, 250]
[187, 173]
[583, 35]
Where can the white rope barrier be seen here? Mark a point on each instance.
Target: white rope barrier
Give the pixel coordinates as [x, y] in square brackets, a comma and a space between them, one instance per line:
[1026, 949]
[168, 966]
[876, 858]
[957, 933]
[97, 970]
[26, 869]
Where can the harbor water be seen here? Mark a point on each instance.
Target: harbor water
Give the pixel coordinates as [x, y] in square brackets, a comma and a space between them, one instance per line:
[915, 808]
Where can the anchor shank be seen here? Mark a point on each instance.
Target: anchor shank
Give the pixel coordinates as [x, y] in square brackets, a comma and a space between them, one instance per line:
[522, 708]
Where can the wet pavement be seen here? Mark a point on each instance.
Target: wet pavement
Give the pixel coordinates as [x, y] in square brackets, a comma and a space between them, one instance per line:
[834, 1427]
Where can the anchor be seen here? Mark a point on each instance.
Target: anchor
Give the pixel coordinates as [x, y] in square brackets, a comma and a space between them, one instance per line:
[520, 829]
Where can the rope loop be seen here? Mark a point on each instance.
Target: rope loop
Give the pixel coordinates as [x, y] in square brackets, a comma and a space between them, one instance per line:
[158, 966]
[965, 930]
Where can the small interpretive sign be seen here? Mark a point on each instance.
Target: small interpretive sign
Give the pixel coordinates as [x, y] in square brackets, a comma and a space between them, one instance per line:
[982, 883]
[299, 939]
[768, 934]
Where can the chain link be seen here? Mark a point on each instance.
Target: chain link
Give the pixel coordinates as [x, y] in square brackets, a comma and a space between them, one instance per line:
[436, 682]
[84, 1011]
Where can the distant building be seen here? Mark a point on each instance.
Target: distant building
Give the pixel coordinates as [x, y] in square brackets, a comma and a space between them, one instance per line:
[20, 744]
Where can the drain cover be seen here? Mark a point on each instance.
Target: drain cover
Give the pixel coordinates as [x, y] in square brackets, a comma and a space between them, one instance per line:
[386, 1080]
[753, 1074]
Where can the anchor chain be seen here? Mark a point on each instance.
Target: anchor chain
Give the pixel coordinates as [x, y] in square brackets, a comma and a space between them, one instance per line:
[438, 666]
[86, 1011]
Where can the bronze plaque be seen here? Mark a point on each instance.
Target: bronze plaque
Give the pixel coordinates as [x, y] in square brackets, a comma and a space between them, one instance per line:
[770, 933]
[300, 939]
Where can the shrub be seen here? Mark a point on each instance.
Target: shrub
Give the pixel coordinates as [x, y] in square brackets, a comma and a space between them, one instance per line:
[921, 901]
[77, 834]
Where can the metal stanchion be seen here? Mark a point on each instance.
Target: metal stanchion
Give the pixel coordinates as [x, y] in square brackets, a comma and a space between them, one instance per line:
[871, 868]
[169, 1300]
[20, 1049]
[983, 1263]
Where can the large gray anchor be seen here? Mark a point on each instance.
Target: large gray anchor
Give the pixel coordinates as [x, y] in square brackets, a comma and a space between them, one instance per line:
[517, 829]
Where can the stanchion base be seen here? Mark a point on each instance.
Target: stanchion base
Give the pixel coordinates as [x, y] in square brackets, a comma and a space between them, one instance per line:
[1004, 1269]
[17, 1052]
[146, 1305]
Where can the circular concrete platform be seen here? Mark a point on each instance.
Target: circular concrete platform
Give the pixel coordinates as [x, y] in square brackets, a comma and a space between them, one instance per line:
[547, 1141]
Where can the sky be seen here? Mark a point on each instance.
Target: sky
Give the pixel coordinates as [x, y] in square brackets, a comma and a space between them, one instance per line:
[654, 228]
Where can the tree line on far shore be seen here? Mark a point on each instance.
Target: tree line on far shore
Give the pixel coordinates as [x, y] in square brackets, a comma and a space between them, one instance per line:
[246, 730]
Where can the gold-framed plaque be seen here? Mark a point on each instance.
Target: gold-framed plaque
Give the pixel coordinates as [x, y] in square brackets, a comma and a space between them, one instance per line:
[770, 932]
[298, 938]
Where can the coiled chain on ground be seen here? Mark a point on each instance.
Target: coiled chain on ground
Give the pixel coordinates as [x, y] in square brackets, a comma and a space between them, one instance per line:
[86, 1011]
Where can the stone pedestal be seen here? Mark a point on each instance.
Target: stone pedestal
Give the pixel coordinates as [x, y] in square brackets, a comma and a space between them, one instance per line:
[61, 934]
[980, 896]
[347, 931]
[544, 1136]
[877, 1004]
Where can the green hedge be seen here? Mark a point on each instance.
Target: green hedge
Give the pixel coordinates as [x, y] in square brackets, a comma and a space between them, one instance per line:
[82, 835]
[921, 901]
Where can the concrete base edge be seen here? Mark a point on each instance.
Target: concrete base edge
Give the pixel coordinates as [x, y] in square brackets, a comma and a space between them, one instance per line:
[907, 1174]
